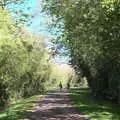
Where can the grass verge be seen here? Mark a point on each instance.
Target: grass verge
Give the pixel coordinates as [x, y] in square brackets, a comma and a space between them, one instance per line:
[19, 109]
[93, 108]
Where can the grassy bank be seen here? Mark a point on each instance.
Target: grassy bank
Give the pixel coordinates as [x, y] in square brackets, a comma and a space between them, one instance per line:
[19, 109]
[93, 108]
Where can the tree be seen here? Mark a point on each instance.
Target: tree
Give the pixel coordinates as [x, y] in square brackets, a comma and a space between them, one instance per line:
[5, 3]
[91, 30]
[24, 68]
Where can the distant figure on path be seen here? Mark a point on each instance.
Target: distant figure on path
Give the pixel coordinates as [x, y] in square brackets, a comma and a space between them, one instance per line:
[60, 85]
[68, 85]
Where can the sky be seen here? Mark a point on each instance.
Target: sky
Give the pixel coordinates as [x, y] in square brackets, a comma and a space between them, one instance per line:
[38, 24]
[39, 21]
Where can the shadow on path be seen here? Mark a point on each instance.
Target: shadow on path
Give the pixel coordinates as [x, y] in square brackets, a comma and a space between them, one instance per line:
[54, 106]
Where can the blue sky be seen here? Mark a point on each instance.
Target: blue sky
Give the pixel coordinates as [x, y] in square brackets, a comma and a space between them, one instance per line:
[39, 23]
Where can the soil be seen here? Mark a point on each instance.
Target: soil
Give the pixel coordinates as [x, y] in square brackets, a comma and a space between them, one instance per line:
[55, 105]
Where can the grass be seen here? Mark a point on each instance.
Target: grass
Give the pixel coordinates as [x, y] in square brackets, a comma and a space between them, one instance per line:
[19, 109]
[93, 108]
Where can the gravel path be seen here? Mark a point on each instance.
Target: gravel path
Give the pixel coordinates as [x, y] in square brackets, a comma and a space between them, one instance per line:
[55, 106]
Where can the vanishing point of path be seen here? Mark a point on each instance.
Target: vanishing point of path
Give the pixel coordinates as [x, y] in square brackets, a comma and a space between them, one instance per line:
[55, 106]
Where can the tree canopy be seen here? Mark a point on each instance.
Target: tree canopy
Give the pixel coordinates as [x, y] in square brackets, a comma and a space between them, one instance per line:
[92, 35]
[24, 65]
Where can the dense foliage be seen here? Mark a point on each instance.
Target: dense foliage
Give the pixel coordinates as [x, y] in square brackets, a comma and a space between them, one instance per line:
[25, 63]
[5, 3]
[24, 66]
[92, 34]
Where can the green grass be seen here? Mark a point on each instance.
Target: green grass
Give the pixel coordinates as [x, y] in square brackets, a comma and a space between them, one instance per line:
[19, 109]
[93, 108]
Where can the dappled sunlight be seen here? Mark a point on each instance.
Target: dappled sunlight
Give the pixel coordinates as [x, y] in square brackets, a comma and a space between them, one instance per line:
[55, 106]
[59, 59]
[19, 109]
[92, 107]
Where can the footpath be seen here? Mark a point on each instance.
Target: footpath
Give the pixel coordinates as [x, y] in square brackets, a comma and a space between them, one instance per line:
[55, 106]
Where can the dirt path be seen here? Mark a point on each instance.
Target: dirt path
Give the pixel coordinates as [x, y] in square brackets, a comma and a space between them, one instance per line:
[55, 106]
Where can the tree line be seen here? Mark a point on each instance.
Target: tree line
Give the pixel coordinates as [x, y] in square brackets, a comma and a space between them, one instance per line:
[91, 32]
[24, 65]
[25, 62]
